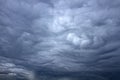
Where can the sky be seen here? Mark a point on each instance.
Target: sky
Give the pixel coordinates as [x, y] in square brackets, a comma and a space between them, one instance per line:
[43, 38]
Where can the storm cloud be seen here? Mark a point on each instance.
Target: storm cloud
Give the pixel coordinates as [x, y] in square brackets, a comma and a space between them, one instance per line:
[59, 36]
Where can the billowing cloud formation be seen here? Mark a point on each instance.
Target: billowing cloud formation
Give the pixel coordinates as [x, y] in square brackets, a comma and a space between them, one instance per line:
[60, 35]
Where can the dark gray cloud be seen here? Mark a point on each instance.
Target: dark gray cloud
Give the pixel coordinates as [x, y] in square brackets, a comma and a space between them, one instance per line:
[59, 35]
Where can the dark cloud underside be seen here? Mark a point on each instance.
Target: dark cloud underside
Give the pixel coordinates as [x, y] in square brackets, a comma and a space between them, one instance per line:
[59, 36]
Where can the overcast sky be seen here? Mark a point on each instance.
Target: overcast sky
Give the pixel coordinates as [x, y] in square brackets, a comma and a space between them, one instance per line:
[59, 35]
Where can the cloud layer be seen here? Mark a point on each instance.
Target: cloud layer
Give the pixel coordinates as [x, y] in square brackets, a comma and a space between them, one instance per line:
[60, 35]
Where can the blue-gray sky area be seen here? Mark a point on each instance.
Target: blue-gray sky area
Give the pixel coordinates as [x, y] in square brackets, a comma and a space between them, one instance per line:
[43, 38]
